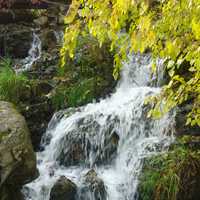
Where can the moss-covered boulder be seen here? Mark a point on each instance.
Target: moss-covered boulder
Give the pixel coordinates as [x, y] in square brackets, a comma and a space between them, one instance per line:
[17, 158]
[174, 175]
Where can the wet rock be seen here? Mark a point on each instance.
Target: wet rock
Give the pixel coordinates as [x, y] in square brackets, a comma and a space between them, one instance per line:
[16, 40]
[38, 116]
[76, 145]
[41, 21]
[63, 189]
[74, 149]
[49, 40]
[17, 158]
[93, 188]
[111, 144]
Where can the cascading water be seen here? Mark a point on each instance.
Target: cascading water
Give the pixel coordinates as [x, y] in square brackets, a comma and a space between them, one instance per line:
[111, 137]
[59, 34]
[33, 55]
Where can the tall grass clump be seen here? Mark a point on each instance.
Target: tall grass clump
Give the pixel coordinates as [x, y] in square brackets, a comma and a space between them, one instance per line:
[12, 85]
[75, 95]
[174, 175]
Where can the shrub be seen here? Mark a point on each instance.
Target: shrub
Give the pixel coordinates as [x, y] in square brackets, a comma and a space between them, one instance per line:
[174, 175]
[87, 77]
[77, 94]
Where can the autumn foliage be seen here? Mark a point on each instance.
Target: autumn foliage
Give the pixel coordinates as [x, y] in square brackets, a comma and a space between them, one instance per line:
[170, 29]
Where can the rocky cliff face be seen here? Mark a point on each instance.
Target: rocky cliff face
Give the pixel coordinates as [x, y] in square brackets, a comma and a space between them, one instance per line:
[17, 158]
[34, 48]
[17, 42]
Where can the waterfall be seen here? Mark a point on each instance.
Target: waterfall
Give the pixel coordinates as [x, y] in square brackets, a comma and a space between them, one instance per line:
[112, 137]
[34, 54]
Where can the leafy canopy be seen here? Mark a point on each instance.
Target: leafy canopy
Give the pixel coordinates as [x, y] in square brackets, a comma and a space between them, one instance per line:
[169, 28]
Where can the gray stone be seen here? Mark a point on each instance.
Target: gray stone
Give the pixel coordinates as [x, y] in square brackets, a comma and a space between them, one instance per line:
[17, 158]
[41, 21]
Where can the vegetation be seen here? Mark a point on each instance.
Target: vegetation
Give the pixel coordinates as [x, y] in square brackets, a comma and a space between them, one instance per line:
[87, 77]
[12, 85]
[173, 175]
[170, 29]
[76, 95]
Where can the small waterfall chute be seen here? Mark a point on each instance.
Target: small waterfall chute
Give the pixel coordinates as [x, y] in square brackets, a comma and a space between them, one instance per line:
[34, 54]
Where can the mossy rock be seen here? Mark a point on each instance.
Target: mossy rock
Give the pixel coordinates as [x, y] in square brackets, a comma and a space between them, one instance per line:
[63, 189]
[17, 158]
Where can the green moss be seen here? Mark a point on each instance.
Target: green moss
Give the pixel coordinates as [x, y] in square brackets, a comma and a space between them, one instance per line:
[174, 175]
[3, 135]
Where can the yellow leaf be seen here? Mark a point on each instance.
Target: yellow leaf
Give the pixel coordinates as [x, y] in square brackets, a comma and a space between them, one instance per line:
[72, 12]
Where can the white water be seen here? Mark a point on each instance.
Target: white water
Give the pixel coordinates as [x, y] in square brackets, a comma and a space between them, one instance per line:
[59, 34]
[34, 54]
[124, 114]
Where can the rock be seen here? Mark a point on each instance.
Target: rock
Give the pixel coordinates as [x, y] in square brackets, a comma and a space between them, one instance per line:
[110, 149]
[41, 21]
[63, 189]
[37, 116]
[61, 19]
[77, 148]
[17, 158]
[93, 188]
[38, 111]
[16, 40]
[49, 40]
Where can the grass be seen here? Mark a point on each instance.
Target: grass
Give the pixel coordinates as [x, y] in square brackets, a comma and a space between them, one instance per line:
[12, 85]
[77, 94]
[87, 77]
[174, 175]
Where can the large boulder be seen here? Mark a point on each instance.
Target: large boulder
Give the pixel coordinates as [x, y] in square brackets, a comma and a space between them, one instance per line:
[63, 189]
[17, 158]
